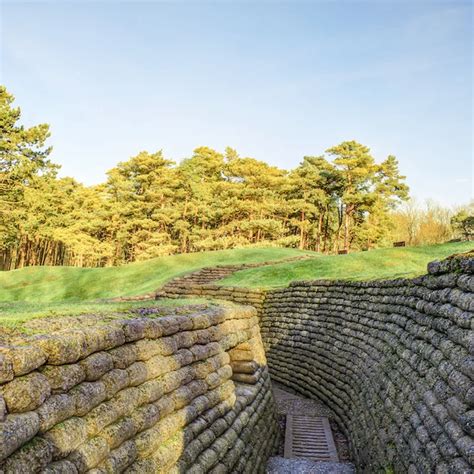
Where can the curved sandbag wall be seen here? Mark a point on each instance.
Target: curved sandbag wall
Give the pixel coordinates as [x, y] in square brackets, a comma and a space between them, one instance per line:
[393, 359]
[182, 393]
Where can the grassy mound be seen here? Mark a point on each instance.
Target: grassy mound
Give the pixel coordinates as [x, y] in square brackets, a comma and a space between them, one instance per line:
[50, 284]
[401, 262]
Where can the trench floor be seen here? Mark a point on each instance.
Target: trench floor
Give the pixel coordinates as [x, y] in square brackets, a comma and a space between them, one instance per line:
[291, 403]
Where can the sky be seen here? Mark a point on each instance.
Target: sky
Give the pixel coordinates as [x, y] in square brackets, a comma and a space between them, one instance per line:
[274, 80]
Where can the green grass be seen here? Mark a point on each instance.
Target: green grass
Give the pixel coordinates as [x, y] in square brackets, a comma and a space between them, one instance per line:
[14, 315]
[53, 284]
[403, 262]
[50, 292]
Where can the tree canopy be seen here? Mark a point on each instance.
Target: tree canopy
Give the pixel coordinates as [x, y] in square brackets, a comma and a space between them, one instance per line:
[463, 222]
[150, 206]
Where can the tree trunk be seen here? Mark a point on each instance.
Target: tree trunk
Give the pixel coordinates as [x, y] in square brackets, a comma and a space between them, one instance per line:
[347, 222]
[346, 231]
[302, 236]
[320, 228]
[326, 231]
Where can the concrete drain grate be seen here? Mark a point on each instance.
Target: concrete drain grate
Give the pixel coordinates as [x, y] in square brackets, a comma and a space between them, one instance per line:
[309, 438]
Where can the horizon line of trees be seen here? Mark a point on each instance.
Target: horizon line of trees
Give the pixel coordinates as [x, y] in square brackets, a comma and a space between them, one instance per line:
[150, 206]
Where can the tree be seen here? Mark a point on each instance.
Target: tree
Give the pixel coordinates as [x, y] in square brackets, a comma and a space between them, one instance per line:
[149, 206]
[255, 187]
[140, 192]
[406, 222]
[358, 171]
[366, 186]
[418, 224]
[463, 222]
[24, 164]
[312, 191]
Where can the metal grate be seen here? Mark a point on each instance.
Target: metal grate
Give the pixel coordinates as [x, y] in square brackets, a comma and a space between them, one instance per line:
[309, 438]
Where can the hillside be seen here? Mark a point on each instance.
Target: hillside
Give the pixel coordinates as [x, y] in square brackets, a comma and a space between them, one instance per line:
[377, 264]
[54, 284]
[51, 284]
[38, 292]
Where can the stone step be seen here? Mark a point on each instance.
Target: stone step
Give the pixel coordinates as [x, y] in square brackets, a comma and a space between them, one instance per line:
[280, 465]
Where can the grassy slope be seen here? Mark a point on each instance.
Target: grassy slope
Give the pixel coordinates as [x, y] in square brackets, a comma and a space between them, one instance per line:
[51, 284]
[376, 264]
[61, 291]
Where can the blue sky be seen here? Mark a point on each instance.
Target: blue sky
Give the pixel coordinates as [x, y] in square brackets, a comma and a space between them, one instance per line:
[275, 80]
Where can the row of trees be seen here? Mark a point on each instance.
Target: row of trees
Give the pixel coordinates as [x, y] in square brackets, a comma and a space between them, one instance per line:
[150, 206]
[431, 223]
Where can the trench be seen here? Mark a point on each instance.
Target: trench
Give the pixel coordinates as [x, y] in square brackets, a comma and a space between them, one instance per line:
[389, 363]
[289, 403]
[393, 360]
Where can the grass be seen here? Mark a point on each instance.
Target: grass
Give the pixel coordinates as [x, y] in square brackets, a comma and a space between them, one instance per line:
[401, 262]
[54, 284]
[14, 315]
[50, 292]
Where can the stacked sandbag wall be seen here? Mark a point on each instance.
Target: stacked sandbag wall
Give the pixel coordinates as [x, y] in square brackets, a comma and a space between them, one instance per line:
[393, 359]
[172, 394]
[239, 295]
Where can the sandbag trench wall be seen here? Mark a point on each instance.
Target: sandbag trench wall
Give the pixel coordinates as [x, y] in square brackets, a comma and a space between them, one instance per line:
[245, 296]
[204, 283]
[172, 394]
[393, 359]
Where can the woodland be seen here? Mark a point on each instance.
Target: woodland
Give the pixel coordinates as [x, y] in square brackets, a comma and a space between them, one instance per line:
[150, 206]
